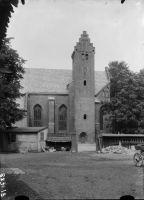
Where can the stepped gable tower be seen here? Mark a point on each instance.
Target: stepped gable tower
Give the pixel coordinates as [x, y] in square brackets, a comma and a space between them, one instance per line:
[84, 89]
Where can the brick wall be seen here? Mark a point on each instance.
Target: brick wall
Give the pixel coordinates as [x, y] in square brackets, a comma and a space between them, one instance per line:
[71, 107]
[84, 88]
[85, 106]
[42, 99]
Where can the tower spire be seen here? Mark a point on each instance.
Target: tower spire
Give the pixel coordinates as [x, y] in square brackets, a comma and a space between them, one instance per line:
[84, 44]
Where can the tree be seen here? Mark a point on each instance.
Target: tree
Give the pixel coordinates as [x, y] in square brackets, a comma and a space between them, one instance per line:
[142, 73]
[10, 85]
[118, 72]
[126, 107]
[5, 14]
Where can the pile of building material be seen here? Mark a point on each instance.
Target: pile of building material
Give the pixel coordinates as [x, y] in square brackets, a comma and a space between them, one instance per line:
[117, 150]
[52, 150]
[47, 149]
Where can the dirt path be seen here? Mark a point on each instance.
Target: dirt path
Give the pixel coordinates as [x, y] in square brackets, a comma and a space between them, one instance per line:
[73, 176]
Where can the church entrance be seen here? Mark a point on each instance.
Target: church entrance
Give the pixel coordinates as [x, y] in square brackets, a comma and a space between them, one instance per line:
[83, 137]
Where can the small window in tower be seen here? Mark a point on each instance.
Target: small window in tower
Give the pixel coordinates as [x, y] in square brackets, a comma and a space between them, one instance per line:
[85, 116]
[83, 56]
[84, 82]
[86, 56]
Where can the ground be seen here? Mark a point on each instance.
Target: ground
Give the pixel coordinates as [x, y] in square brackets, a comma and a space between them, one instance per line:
[65, 175]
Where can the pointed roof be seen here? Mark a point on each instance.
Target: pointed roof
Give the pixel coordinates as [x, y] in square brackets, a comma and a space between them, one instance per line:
[84, 36]
[84, 44]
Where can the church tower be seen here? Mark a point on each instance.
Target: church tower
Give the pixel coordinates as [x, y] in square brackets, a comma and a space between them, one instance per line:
[84, 89]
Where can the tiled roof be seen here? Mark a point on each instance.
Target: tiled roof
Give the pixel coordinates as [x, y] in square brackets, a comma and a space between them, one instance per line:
[100, 80]
[55, 80]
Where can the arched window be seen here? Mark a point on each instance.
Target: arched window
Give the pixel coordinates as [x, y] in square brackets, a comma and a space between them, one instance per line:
[103, 93]
[83, 56]
[83, 137]
[84, 82]
[101, 119]
[107, 94]
[37, 115]
[86, 56]
[63, 118]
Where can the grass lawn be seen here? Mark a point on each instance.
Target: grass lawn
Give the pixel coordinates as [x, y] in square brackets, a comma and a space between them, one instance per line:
[63, 175]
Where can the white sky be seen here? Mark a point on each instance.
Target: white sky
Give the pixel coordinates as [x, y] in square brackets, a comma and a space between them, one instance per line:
[46, 31]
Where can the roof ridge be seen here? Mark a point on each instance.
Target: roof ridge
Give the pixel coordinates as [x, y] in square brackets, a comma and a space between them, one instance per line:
[48, 69]
[58, 69]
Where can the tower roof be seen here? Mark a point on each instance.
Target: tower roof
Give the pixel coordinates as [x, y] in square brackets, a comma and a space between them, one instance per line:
[84, 44]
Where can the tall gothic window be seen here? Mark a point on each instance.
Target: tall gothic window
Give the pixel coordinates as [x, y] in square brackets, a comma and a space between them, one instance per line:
[103, 93]
[37, 115]
[107, 95]
[101, 119]
[63, 118]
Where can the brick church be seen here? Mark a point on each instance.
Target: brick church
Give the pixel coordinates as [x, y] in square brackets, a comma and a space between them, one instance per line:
[67, 101]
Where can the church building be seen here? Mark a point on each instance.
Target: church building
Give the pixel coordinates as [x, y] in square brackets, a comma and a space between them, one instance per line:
[67, 101]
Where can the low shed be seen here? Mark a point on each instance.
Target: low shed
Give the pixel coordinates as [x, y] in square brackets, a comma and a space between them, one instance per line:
[126, 140]
[24, 139]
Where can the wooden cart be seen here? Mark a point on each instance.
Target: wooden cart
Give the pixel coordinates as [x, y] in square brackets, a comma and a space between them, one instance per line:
[139, 155]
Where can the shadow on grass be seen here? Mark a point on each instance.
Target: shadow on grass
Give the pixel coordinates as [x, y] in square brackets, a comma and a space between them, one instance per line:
[15, 187]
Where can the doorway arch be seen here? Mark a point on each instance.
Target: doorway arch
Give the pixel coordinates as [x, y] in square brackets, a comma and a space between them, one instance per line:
[83, 137]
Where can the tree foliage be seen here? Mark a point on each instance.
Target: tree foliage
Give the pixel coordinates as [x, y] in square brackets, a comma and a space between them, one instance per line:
[126, 107]
[5, 14]
[118, 72]
[10, 85]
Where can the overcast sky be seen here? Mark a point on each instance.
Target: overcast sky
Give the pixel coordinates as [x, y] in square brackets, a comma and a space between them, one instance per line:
[46, 31]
